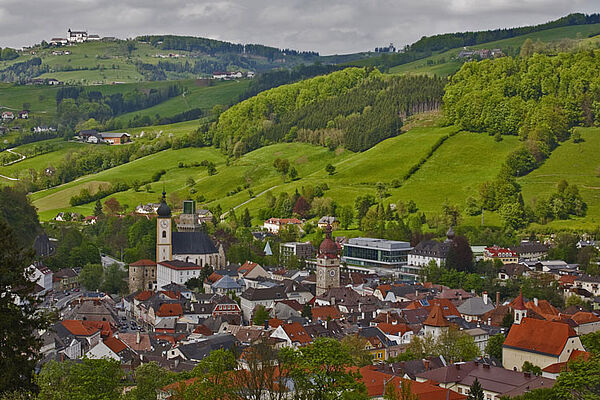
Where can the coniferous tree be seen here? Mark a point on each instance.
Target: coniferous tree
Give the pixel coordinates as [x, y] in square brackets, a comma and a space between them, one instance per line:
[20, 320]
[476, 391]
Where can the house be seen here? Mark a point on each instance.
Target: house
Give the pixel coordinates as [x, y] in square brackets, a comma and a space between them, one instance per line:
[293, 334]
[431, 250]
[42, 275]
[223, 305]
[58, 41]
[531, 251]
[474, 308]
[226, 285]
[589, 283]
[252, 270]
[513, 271]
[266, 297]
[24, 114]
[53, 82]
[286, 309]
[197, 351]
[540, 342]
[8, 116]
[115, 137]
[273, 225]
[111, 348]
[554, 370]
[65, 279]
[327, 220]
[496, 382]
[480, 337]
[300, 250]
[498, 253]
[77, 337]
[436, 323]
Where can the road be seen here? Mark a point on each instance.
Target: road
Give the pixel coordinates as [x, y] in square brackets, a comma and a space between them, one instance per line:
[62, 302]
[248, 201]
[21, 158]
[107, 261]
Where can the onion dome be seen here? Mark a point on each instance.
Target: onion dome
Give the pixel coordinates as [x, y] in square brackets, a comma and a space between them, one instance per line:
[163, 209]
[450, 234]
[328, 247]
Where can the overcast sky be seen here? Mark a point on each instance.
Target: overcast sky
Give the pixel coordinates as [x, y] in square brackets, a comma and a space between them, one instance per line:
[326, 26]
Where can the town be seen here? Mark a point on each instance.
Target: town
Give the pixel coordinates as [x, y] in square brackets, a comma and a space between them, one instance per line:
[371, 294]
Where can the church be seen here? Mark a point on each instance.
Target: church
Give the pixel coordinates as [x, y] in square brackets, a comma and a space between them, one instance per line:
[328, 264]
[180, 255]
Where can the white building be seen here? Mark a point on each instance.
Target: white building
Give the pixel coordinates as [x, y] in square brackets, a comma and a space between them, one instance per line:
[77, 36]
[42, 275]
[175, 271]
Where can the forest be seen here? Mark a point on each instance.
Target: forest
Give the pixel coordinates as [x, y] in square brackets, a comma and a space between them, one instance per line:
[355, 108]
[212, 47]
[21, 72]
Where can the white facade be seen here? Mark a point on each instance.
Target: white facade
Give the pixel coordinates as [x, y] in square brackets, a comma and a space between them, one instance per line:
[422, 261]
[166, 274]
[42, 276]
[100, 351]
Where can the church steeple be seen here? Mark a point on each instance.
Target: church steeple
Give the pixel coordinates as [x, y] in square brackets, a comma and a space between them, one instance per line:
[164, 250]
[328, 264]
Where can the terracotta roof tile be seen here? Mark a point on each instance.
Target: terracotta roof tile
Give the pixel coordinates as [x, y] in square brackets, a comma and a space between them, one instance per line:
[436, 317]
[115, 344]
[144, 295]
[393, 329]
[169, 310]
[326, 312]
[539, 336]
[297, 333]
[79, 328]
[143, 263]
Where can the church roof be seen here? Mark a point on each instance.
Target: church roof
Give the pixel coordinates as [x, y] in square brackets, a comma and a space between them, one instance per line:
[163, 209]
[192, 243]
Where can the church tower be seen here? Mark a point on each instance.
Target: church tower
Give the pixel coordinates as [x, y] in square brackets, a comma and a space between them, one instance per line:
[164, 249]
[328, 264]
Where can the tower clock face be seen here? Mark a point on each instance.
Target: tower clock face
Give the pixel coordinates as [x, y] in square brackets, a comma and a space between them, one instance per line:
[332, 272]
[164, 223]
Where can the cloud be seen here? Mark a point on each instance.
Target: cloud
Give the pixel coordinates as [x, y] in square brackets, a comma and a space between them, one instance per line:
[327, 26]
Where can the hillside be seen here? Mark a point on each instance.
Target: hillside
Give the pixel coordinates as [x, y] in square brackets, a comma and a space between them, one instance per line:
[446, 63]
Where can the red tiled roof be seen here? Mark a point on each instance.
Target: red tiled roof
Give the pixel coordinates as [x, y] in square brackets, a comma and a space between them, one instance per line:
[518, 303]
[212, 278]
[393, 329]
[376, 382]
[297, 333]
[583, 317]
[145, 295]
[496, 251]
[247, 267]
[326, 312]
[143, 263]
[180, 265]
[275, 322]
[436, 317]
[115, 344]
[170, 294]
[202, 330]
[567, 279]
[576, 355]
[78, 328]
[104, 326]
[539, 336]
[169, 310]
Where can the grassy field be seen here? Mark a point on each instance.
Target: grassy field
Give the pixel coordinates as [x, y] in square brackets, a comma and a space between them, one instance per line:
[445, 63]
[579, 164]
[203, 97]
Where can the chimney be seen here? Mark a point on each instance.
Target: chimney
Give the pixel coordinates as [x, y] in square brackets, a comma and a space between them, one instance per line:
[137, 337]
[426, 364]
[535, 301]
[332, 301]
[485, 297]
[266, 324]
[497, 299]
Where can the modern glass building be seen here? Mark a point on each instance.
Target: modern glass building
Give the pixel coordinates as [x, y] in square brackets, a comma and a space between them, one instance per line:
[388, 257]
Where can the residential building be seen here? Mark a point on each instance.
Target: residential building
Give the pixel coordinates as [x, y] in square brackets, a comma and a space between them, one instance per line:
[302, 251]
[498, 253]
[65, 279]
[327, 220]
[386, 257]
[540, 342]
[496, 382]
[266, 297]
[436, 323]
[273, 225]
[474, 308]
[531, 251]
[115, 137]
[431, 250]
[42, 275]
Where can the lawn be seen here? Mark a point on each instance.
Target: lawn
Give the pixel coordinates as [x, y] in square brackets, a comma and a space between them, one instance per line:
[579, 164]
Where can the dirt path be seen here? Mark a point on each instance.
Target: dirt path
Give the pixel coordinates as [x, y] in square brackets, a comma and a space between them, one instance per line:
[248, 201]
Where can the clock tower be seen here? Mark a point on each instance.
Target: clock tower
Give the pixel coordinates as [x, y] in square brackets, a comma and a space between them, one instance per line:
[328, 264]
[164, 250]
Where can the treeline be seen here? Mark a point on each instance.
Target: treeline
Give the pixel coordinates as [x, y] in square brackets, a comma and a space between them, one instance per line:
[448, 41]
[76, 104]
[354, 108]
[23, 71]
[8, 53]
[212, 47]
[428, 45]
[277, 77]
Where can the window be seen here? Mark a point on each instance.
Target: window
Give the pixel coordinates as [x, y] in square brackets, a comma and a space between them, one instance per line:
[164, 234]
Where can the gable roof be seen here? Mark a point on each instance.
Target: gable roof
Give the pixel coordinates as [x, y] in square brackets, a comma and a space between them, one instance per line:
[169, 310]
[247, 267]
[475, 306]
[179, 265]
[325, 312]
[114, 344]
[78, 328]
[143, 263]
[436, 318]
[539, 336]
[296, 333]
[192, 243]
[257, 294]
